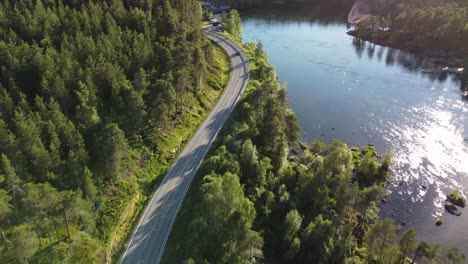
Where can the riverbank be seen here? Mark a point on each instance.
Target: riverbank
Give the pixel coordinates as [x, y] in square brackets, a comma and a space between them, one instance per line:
[365, 93]
[251, 181]
[438, 61]
[255, 199]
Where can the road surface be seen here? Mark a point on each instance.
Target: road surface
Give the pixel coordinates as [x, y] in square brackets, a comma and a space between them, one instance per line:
[150, 235]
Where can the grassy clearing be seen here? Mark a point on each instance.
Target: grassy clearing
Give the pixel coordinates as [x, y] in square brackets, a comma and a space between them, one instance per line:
[150, 174]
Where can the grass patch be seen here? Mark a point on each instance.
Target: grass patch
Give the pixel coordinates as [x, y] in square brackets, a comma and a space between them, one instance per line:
[151, 173]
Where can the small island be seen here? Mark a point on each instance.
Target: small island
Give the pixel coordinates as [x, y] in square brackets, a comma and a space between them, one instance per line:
[457, 198]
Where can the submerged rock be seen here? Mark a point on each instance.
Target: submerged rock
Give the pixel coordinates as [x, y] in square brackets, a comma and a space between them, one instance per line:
[453, 209]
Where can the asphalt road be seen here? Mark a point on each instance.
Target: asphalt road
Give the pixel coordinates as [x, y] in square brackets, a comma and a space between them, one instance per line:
[150, 235]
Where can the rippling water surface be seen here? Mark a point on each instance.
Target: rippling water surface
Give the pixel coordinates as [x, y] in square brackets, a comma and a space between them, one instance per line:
[367, 94]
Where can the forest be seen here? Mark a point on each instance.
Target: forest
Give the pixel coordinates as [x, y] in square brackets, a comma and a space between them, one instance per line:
[409, 24]
[262, 196]
[96, 98]
[419, 24]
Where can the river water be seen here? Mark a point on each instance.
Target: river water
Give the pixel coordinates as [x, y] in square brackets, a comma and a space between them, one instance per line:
[368, 94]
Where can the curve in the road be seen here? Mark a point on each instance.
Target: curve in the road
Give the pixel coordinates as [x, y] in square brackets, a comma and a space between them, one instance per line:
[152, 231]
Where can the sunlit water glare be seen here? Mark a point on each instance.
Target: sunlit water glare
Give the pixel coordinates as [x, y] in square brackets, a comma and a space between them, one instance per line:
[368, 94]
[428, 152]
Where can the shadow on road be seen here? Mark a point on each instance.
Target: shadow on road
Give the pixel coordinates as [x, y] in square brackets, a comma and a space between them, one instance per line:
[149, 239]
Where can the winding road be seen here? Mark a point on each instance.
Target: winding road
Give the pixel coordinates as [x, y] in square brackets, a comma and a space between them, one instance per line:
[150, 235]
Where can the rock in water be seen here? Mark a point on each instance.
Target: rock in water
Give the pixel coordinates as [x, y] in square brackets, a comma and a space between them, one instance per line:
[457, 198]
[451, 208]
[438, 222]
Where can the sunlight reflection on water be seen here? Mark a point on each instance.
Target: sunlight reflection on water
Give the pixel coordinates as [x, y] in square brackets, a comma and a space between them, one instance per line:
[380, 97]
[427, 150]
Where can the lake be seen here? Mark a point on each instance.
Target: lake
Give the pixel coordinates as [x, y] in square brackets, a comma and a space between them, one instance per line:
[363, 93]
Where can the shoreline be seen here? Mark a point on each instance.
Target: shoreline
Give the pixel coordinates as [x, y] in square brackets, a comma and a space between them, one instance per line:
[439, 61]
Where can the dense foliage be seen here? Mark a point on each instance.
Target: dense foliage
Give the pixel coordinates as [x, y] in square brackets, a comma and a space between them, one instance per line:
[90, 91]
[420, 24]
[263, 197]
[232, 24]
[410, 24]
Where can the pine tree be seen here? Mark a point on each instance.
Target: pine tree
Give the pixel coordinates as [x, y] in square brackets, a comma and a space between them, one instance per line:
[5, 211]
[12, 181]
[113, 150]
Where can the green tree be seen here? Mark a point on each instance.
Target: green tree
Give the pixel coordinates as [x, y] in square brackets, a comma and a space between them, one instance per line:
[7, 139]
[200, 67]
[34, 153]
[7, 105]
[232, 24]
[253, 171]
[380, 241]
[317, 240]
[251, 248]
[113, 150]
[161, 100]
[24, 243]
[44, 202]
[425, 250]
[5, 210]
[86, 109]
[12, 181]
[454, 256]
[223, 203]
[367, 170]
[367, 197]
[84, 249]
[182, 87]
[407, 243]
[75, 210]
[291, 241]
[140, 81]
